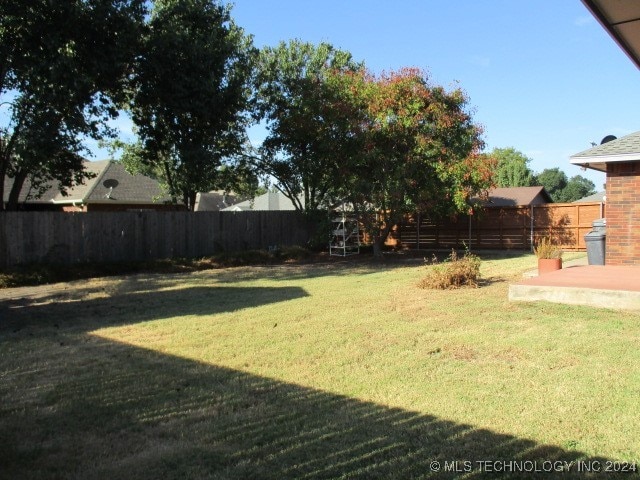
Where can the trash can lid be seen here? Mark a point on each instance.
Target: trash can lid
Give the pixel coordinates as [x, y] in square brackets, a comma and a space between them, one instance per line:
[594, 235]
[600, 222]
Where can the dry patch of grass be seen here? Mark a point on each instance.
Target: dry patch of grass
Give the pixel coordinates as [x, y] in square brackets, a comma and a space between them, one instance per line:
[308, 371]
[454, 272]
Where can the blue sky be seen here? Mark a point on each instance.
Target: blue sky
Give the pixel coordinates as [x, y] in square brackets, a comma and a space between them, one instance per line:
[542, 75]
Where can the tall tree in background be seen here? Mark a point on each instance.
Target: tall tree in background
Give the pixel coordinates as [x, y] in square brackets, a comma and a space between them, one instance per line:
[419, 149]
[513, 168]
[190, 96]
[577, 188]
[63, 65]
[304, 138]
[562, 189]
[554, 182]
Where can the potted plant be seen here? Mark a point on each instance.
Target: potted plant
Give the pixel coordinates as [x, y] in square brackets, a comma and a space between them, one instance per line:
[549, 256]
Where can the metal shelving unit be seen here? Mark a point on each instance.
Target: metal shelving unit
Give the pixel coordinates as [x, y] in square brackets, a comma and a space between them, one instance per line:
[345, 237]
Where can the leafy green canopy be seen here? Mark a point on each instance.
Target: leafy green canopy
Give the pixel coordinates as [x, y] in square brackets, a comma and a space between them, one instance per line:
[562, 189]
[513, 168]
[303, 146]
[190, 96]
[513, 171]
[63, 65]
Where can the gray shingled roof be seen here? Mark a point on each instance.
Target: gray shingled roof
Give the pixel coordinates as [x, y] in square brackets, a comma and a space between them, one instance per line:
[624, 149]
[137, 189]
[214, 201]
[621, 146]
[596, 197]
[269, 201]
[130, 189]
[28, 193]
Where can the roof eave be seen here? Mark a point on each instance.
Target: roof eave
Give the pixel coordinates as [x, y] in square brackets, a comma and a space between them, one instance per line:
[595, 10]
[599, 162]
[67, 201]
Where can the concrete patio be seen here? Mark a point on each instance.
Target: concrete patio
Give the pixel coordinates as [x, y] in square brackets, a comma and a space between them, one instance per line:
[608, 286]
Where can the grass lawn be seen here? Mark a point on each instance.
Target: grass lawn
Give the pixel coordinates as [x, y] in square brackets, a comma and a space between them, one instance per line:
[338, 370]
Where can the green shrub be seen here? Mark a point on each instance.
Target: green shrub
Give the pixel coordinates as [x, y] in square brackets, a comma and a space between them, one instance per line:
[454, 272]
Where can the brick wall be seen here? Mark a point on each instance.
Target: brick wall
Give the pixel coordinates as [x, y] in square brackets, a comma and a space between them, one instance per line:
[623, 213]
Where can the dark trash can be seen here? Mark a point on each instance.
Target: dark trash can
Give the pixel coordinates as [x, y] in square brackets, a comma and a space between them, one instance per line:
[599, 225]
[596, 242]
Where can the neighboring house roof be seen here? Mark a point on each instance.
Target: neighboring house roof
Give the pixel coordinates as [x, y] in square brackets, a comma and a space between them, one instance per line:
[269, 201]
[112, 184]
[28, 192]
[621, 18]
[624, 149]
[214, 201]
[596, 197]
[515, 196]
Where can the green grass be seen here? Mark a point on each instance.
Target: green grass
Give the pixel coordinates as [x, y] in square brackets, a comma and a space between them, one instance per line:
[344, 369]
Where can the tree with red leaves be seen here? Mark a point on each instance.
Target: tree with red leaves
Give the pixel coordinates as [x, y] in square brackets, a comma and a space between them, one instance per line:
[417, 148]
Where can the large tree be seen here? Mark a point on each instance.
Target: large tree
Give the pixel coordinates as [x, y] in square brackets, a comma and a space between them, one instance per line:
[419, 149]
[554, 182]
[190, 95]
[296, 103]
[63, 65]
[577, 188]
[513, 168]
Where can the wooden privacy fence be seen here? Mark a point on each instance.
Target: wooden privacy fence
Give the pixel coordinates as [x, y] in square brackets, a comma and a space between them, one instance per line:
[58, 237]
[503, 228]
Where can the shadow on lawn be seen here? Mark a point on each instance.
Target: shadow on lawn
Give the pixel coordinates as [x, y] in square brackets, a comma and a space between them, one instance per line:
[135, 305]
[73, 405]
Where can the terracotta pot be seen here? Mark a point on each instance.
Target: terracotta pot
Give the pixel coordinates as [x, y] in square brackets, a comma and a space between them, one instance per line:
[546, 265]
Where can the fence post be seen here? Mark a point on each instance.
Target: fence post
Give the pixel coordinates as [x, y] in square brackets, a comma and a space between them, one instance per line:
[532, 221]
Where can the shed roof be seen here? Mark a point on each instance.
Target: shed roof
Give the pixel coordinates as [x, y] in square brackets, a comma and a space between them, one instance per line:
[516, 196]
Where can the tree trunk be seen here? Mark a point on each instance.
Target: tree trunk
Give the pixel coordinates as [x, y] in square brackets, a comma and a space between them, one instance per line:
[189, 199]
[2, 177]
[4, 165]
[14, 194]
[192, 201]
[377, 247]
[378, 241]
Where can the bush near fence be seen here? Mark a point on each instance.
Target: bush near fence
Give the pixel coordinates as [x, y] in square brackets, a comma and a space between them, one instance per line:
[68, 238]
[516, 228]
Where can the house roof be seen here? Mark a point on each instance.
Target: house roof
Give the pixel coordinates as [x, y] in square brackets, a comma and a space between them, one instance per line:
[27, 193]
[515, 196]
[596, 197]
[213, 201]
[621, 19]
[112, 184]
[624, 149]
[269, 201]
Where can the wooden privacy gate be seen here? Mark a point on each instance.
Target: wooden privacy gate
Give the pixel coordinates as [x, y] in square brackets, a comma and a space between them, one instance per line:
[515, 228]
